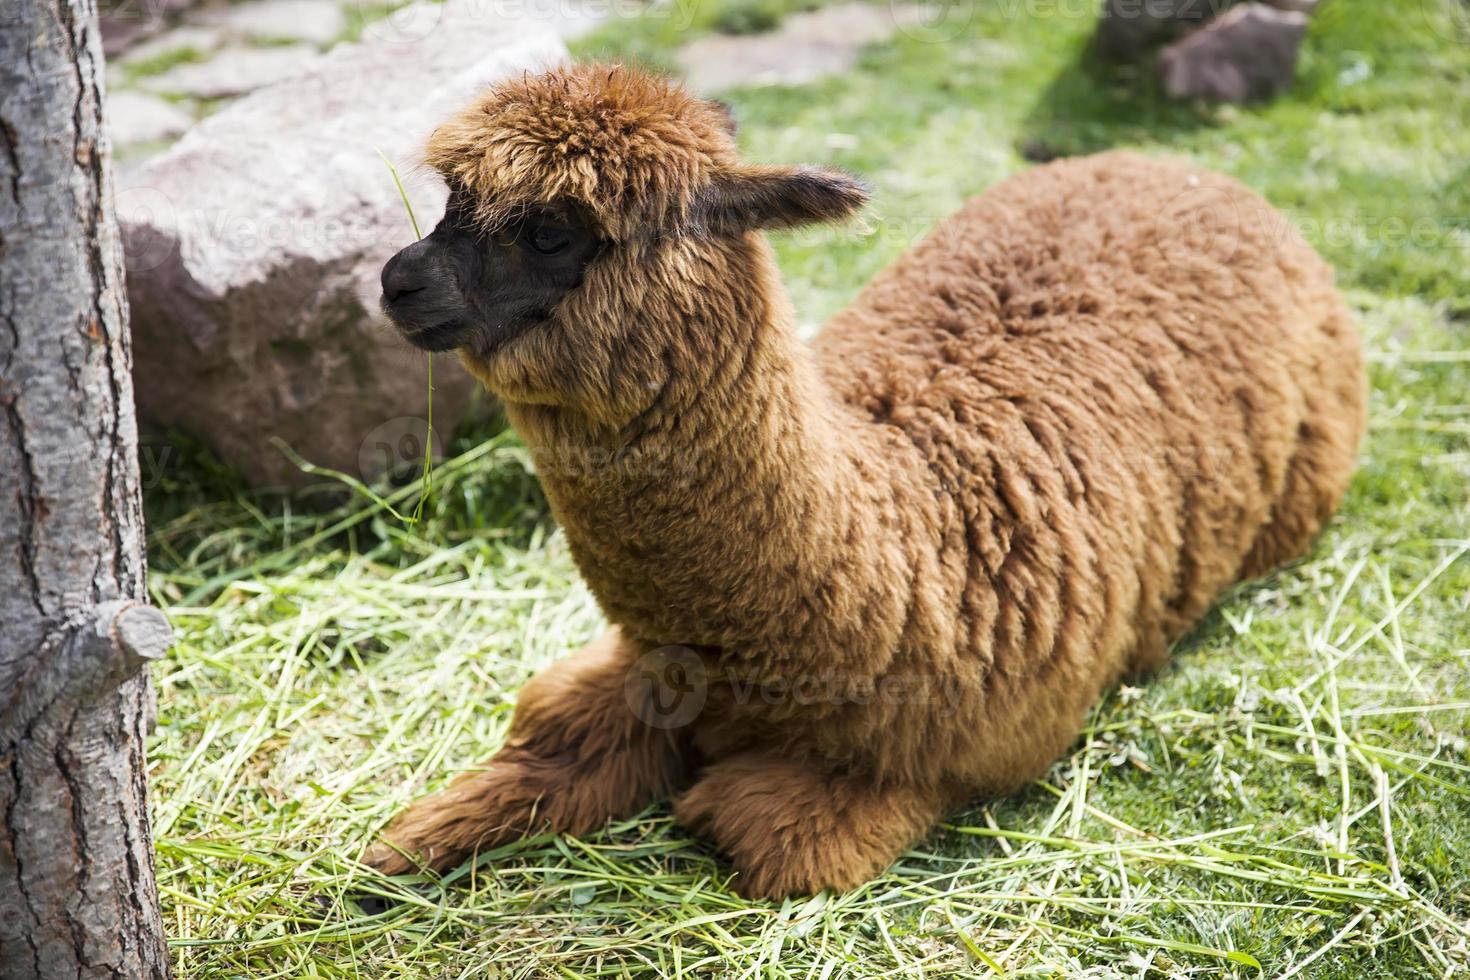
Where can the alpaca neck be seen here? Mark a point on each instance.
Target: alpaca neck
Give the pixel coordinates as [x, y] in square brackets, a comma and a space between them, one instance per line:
[719, 515]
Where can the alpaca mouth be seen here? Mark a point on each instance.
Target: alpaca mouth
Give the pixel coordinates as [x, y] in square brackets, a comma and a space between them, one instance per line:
[431, 326]
[442, 336]
[490, 340]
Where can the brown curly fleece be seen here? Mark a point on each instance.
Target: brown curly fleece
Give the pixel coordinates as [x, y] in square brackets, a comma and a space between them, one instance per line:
[903, 562]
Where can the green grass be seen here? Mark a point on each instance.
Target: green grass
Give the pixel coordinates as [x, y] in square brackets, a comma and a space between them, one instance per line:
[757, 16]
[1293, 791]
[142, 68]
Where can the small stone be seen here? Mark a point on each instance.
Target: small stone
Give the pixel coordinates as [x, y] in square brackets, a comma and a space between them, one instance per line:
[1039, 151]
[120, 34]
[198, 38]
[313, 21]
[136, 117]
[125, 24]
[804, 48]
[1246, 54]
[235, 71]
[1127, 30]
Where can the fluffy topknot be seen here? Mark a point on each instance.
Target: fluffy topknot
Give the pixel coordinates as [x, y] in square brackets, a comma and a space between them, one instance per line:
[634, 149]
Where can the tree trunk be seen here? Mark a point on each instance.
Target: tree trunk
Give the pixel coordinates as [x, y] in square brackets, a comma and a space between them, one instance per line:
[77, 895]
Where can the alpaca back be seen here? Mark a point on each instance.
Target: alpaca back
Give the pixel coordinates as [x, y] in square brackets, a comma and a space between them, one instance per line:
[1109, 367]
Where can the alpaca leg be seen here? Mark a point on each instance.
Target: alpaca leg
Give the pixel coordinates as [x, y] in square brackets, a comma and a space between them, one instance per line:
[792, 829]
[576, 756]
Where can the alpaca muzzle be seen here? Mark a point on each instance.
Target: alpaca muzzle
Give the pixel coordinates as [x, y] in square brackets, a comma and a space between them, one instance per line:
[421, 296]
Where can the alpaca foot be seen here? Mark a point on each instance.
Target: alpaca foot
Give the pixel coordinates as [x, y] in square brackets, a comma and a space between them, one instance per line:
[507, 798]
[792, 829]
[577, 756]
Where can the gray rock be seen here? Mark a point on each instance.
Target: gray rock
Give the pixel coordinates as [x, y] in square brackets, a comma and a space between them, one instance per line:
[1128, 30]
[136, 117]
[805, 47]
[196, 37]
[1247, 53]
[235, 71]
[314, 21]
[127, 22]
[254, 246]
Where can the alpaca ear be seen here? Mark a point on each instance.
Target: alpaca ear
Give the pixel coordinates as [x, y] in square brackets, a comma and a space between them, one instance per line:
[748, 198]
[727, 115]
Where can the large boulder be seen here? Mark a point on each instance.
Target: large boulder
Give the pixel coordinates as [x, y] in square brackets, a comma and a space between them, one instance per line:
[254, 246]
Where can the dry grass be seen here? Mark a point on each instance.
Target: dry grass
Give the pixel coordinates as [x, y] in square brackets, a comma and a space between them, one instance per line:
[1293, 792]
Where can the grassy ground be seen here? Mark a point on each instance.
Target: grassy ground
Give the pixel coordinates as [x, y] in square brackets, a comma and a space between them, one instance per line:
[1293, 792]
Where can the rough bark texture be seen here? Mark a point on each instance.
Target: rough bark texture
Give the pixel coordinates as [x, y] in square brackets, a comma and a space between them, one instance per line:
[77, 895]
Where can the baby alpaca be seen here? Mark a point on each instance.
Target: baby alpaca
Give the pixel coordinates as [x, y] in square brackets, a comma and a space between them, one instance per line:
[893, 569]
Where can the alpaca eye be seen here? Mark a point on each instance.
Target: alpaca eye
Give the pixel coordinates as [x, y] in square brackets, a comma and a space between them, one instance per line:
[548, 241]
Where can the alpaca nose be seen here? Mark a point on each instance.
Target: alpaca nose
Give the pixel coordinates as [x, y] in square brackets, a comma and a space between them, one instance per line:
[405, 272]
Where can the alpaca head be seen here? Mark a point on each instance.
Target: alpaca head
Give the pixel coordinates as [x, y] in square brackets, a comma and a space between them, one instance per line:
[598, 229]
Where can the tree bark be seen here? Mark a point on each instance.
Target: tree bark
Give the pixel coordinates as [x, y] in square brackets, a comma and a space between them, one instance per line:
[77, 894]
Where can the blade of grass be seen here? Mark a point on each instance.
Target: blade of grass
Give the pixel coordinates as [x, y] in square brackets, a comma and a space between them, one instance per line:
[428, 478]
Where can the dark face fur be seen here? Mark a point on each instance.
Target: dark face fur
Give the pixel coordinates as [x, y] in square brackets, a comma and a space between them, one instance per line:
[466, 287]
